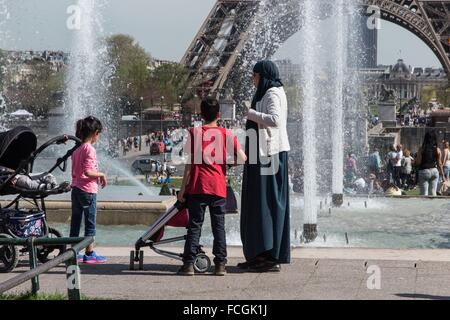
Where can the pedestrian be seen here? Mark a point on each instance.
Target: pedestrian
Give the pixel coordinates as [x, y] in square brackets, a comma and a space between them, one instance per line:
[265, 208]
[429, 160]
[204, 185]
[398, 166]
[407, 164]
[391, 160]
[375, 163]
[350, 169]
[85, 180]
[446, 160]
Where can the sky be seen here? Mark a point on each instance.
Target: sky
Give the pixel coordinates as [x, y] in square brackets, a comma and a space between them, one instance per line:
[165, 28]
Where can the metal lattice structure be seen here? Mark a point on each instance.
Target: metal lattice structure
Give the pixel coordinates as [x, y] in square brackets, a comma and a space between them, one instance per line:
[236, 34]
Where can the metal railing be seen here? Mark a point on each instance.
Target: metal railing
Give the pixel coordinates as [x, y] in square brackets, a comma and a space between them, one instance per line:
[69, 257]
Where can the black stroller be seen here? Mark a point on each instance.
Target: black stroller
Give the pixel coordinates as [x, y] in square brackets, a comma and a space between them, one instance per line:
[17, 156]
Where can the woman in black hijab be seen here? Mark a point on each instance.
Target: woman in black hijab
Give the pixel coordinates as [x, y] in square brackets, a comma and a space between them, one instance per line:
[265, 216]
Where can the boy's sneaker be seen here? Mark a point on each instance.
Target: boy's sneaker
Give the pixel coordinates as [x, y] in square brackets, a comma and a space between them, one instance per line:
[186, 270]
[93, 258]
[219, 270]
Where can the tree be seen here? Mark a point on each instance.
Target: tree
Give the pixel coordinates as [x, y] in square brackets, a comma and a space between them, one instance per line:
[37, 93]
[2, 69]
[443, 96]
[131, 77]
[427, 94]
[170, 80]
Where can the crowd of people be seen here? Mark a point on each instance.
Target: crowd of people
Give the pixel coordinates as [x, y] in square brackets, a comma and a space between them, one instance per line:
[132, 144]
[401, 170]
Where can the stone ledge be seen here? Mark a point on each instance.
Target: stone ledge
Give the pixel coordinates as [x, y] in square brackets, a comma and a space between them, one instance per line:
[108, 213]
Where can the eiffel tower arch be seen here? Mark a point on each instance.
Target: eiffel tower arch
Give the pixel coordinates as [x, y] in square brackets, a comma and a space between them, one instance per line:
[237, 33]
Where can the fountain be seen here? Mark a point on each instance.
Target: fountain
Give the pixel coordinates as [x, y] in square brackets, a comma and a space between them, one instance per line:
[87, 80]
[338, 105]
[309, 119]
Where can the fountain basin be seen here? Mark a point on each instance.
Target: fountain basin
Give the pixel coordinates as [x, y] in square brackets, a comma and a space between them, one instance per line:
[386, 223]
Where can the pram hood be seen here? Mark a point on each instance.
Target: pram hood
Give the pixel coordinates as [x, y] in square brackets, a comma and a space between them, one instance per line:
[16, 145]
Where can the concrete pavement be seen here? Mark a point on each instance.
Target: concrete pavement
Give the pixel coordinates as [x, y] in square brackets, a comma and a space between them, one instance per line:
[313, 274]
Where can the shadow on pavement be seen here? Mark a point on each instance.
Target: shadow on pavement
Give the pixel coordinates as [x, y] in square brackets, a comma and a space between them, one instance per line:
[422, 296]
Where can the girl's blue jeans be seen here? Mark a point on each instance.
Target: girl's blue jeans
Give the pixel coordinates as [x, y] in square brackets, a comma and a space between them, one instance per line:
[83, 205]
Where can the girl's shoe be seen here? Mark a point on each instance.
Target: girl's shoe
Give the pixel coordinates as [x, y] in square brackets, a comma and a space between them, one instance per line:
[93, 258]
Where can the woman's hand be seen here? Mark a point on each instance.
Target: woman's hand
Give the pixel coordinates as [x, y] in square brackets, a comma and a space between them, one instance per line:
[247, 107]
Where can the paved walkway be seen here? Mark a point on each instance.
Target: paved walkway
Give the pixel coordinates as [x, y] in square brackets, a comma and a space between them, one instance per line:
[314, 274]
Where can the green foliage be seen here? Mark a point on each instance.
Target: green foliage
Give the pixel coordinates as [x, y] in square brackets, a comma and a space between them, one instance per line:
[37, 93]
[2, 69]
[171, 81]
[428, 93]
[293, 94]
[131, 78]
[40, 296]
[136, 77]
[443, 96]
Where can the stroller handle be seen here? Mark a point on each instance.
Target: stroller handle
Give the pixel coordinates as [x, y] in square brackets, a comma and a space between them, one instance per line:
[57, 141]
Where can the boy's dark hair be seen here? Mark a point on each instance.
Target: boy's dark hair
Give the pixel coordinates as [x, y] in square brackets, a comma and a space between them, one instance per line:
[87, 127]
[210, 109]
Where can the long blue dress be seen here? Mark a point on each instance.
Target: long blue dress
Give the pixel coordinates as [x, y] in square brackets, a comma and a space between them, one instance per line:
[265, 212]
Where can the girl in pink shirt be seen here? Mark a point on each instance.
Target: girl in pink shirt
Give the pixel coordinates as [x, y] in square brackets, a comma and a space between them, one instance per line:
[85, 180]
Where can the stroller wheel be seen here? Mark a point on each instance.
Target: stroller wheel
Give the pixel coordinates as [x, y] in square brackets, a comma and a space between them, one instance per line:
[202, 263]
[9, 256]
[48, 252]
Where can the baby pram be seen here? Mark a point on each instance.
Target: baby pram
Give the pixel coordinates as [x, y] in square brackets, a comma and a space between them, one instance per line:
[176, 216]
[18, 153]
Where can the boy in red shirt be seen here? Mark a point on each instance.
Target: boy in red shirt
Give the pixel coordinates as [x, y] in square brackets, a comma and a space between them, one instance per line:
[204, 184]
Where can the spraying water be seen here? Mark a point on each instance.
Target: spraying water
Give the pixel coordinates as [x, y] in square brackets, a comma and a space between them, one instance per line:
[338, 103]
[90, 72]
[114, 164]
[85, 86]
[309, 92]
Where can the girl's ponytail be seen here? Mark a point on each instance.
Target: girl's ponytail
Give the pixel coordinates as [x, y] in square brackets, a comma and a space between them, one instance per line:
[87, 127]
[79, 129]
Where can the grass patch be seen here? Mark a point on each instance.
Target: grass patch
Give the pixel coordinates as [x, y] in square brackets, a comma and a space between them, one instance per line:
[413, 193]
[40, 297]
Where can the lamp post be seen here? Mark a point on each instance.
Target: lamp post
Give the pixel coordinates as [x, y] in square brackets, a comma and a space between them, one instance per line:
[140, 129]
[162, 101]
[181, 110]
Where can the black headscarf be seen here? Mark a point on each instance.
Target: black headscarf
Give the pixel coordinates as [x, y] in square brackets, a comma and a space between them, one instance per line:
[270, 78]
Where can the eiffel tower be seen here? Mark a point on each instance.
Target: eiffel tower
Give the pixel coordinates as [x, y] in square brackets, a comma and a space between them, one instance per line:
[236, 34]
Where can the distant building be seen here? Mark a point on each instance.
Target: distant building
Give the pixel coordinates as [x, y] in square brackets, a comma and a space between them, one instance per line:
[407, 82]
[19, 63]
[156, 63]
[288, 70]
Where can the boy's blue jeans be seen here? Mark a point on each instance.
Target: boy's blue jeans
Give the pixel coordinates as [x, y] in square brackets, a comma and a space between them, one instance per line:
[83, 204]
[197, 205]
